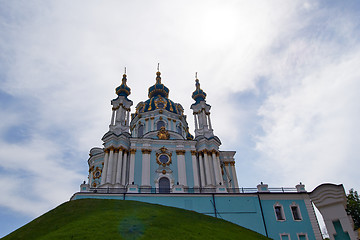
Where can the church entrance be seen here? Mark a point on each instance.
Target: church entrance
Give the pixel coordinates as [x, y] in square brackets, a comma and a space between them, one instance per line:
[164, 185]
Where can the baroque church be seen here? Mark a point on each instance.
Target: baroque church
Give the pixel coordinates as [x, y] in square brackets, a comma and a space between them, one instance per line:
[151, 156]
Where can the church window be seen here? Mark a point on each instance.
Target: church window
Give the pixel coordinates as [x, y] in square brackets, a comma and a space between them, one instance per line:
[163, 158]
[178, 129]
[295, 212]
[141, 131]
[160, 124]
[279, 212]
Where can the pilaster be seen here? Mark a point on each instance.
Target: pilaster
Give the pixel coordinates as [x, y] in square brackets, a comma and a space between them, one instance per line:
[132, 166]
[145, 178]
[195, 169]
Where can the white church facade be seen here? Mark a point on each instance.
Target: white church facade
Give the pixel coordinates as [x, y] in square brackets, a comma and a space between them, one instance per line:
[151, 156]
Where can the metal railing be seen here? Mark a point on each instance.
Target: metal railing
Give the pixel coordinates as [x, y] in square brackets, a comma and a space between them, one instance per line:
[150, 190]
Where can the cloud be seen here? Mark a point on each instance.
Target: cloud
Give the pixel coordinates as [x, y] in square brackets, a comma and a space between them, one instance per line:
[311, 114]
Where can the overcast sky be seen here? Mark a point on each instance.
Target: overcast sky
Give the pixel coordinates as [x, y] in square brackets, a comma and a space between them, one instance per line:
[282, 77]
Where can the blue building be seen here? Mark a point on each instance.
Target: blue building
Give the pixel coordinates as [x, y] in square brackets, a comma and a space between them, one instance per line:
[152, 157]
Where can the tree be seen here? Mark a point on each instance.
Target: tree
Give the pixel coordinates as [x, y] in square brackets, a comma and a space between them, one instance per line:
[353, 207]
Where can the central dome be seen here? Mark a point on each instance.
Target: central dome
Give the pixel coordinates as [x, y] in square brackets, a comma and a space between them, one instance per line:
[159, 99]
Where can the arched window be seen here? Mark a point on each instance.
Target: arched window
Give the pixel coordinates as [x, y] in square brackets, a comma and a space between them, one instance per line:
[160, 124]
[178, 129]
[295, 210]
[279, 212]
[141, 131]
[164, 185]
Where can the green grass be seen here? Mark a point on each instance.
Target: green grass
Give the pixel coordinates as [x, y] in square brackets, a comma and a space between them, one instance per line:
[114, 219]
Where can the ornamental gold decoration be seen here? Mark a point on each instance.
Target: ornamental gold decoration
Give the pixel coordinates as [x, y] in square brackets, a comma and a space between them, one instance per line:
[163, 134]
[97, 173]
[164, 164]
[146, 151]
[160, 103]
[180, 152]
[151, 99]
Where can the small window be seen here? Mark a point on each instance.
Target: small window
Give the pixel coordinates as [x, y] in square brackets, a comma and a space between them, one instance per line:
[279, 212]
[160, 124]
[302, 236]
[284, 236]
[296, 212]
[141, 131]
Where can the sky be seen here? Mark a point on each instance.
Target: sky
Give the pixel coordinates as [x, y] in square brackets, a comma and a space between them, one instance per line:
[282, 77]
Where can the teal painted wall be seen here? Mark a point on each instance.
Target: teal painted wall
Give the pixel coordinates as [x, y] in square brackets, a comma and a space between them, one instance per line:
[189, 169]
[290, 226]
[138, 167]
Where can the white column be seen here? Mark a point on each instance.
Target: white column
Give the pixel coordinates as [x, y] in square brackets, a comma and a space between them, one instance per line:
[124, 168]
[145, 178]
[196, 122]
[132, 165]
[146, 126]
[207, 168]
[104, 170]
[195, 169]
[112, 117]
[110, 165]
[216, 165]
[181, 167]
[211, 167]
[200, 120]
[151, 123]
[114, 167]
[128, 117]
[210, 127]
[202, 170]
[119, 167]
[219, 169]
[90, 178]
[234, 178]
[228, 174]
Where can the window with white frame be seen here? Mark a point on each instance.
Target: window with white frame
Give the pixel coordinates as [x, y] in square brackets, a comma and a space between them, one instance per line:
[285, 236]
[302, 236]
[295, 211]
[279, 212]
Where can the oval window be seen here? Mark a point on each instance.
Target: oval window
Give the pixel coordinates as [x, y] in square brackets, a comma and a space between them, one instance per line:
[163, 158]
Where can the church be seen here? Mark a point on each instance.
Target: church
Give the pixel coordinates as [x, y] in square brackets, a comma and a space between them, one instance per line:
[150, 155]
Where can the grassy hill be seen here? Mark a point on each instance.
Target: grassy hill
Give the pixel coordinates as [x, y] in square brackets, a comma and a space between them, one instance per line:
[114, 219]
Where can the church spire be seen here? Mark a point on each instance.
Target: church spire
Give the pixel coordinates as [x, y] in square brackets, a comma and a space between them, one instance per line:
[123, 89]
[201, 111]
[198, 95]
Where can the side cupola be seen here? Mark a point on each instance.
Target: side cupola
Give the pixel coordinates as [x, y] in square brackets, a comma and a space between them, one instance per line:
[120, 118]
[201, 112]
